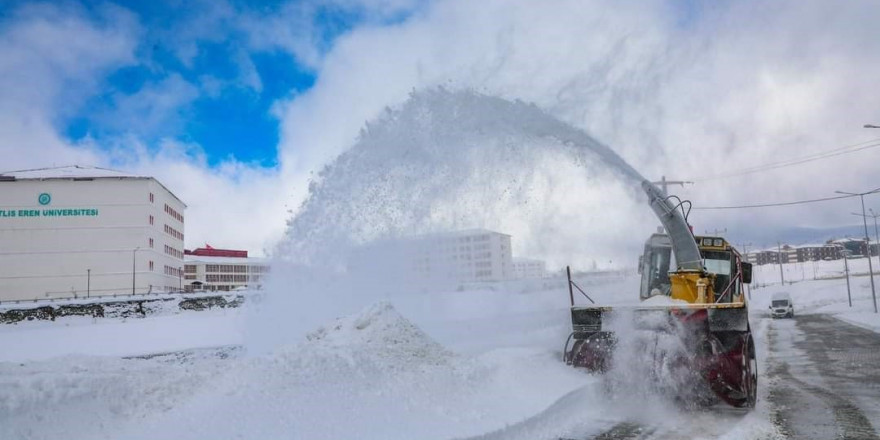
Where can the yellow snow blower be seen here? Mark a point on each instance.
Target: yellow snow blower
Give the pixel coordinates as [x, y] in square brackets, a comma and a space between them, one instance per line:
[703, 279]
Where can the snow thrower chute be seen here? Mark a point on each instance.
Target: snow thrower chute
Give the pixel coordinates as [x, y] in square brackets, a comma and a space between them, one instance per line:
[705, 278]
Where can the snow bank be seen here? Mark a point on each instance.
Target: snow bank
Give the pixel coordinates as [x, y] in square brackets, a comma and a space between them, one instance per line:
[663, 301]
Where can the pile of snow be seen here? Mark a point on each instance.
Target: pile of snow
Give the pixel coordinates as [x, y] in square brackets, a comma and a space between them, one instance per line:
[664, 301]
[381, 333]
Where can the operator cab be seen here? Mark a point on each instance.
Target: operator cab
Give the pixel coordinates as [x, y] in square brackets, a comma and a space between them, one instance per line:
[719, 258]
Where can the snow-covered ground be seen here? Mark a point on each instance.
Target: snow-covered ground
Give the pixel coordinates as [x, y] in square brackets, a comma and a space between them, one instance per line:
[431, 366]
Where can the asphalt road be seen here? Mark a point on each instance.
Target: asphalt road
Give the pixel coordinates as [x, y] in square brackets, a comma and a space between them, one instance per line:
[823, 382]
[824, 379]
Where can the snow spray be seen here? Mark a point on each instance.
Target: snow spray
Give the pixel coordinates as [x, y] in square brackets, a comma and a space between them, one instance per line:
[446, 161]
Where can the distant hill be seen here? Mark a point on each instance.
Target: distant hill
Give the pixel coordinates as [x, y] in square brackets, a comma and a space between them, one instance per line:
[765, 238]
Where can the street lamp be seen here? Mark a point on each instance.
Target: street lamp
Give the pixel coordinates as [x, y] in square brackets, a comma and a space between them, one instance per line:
[133, 268]
[867, 240]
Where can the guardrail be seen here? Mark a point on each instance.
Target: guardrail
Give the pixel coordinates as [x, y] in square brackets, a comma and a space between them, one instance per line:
[119, 296]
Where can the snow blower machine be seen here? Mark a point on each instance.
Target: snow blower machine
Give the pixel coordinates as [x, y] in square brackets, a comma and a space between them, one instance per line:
[692, 288]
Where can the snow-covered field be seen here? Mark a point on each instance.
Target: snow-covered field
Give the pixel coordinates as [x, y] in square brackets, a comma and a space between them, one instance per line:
[429, 366]
[827, 293]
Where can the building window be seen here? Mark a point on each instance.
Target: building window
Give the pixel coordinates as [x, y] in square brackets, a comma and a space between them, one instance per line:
[151, 265]
[151, 243]
[151, 198]
[151, 219]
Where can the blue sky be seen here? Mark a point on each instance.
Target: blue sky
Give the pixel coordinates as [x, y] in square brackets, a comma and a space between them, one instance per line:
[230, 83]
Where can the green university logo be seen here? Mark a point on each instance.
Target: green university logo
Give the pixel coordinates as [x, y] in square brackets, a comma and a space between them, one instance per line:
[44, 198]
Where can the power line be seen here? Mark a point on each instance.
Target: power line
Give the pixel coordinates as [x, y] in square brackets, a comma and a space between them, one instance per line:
[847, 149]
[798, 202]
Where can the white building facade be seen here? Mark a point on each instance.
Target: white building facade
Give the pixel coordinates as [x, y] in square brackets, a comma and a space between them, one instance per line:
[474, 255]
[529, 268]
[72, 232]
[206, 273]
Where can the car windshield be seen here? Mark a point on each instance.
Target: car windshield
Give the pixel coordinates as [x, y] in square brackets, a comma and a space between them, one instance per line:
[780, 303]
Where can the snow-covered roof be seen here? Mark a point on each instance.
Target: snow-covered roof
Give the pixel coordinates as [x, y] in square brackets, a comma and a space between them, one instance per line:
[224, 260]
[526, 260]
[70, 172]
[459, 233]
[76, 172]
[815, 245]
[848, 240]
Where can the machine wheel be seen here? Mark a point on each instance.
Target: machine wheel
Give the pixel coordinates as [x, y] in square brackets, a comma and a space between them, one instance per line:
[750, 374]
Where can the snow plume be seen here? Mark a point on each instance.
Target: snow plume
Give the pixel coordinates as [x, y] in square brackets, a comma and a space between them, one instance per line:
[446, 161]
[457, 160]
[649, 367]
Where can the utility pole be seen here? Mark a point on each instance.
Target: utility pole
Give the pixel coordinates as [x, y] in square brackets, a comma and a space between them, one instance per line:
[133, 268]
[664, 183]
[779, 259]
[846, 269]
[867, 240]
[88, 283]
[745, 257]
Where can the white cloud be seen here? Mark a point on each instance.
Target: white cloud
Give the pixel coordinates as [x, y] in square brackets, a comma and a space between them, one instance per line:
[52, 58]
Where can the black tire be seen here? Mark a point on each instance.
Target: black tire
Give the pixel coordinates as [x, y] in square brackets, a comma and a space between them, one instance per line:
[752, 371]
[749, 375]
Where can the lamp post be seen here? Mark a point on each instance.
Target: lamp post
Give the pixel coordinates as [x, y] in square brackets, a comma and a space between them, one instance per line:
[133, 268]
[846, 270]
[867, 240]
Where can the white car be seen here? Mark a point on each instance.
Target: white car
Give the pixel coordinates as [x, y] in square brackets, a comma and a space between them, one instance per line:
[781, 305]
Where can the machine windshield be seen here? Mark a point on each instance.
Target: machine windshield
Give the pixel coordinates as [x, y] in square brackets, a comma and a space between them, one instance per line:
[656, 263]
[719, 263]
[780, 303]
[719, 267]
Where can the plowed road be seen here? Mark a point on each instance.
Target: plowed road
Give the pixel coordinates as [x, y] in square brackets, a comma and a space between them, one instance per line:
[823, 379]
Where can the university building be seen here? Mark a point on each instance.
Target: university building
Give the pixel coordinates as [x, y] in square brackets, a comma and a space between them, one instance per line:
[529, 268]
[71, 232]
[210, 269]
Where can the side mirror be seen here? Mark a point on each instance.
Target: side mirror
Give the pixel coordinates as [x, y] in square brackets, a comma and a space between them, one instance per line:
[747, 272]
